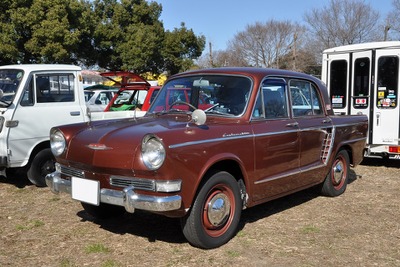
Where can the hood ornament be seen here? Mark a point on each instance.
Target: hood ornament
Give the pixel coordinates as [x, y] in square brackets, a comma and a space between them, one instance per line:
[95, 146]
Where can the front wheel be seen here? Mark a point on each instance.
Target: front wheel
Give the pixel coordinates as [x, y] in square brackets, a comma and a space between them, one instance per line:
[215, 214]
[336, 181]
[42, 164]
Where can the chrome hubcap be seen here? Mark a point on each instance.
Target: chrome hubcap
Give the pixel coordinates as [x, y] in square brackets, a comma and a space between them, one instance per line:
[338, 171]
[218, 209]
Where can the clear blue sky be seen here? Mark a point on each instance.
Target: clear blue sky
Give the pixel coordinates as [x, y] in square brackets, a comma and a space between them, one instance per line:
[220, 20]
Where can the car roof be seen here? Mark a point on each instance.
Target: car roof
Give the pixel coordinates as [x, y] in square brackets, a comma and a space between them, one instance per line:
[258, 73]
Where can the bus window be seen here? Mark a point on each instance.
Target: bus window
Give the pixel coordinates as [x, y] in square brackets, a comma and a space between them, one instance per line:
[337, 83]
[388, 69]
[361, 82]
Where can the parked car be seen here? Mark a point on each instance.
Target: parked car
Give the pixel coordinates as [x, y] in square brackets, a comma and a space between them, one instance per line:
[135, 93]
[98, 96]
[242, 137]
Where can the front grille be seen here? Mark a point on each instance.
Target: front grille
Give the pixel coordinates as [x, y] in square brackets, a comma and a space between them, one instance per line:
[137, 183]
[72, 172]
[118, 181]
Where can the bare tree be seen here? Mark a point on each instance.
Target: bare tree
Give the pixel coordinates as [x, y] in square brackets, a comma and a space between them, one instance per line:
[220, 58]
[263, 44]
[343, 22]
[392, 27]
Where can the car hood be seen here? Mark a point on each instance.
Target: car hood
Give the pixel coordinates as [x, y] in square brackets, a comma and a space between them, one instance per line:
[115, 144]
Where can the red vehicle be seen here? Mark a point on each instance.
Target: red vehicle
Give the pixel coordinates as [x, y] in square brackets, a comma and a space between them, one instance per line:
[213, 143]
[134, 93]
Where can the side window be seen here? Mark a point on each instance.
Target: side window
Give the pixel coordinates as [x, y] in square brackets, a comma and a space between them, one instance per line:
[305, 99]
[388, 69]
[54, 88]
[337, 83]
[271, 101]
[361, 83]
[27, 98]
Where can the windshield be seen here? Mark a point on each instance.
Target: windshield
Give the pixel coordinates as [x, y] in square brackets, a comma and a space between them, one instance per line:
[9, 82]
[218, 94]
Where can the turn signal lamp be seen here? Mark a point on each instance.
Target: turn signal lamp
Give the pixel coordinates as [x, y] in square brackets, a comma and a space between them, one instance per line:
[394, 149]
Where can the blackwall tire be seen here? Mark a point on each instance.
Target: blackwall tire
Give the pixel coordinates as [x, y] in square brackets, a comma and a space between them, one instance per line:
[41, 165]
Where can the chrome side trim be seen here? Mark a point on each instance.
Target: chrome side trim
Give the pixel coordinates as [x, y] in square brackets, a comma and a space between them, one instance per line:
[228, 137]
[231, 136]
[295, 172]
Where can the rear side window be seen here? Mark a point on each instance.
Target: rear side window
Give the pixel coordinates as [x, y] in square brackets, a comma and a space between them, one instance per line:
[305, 99]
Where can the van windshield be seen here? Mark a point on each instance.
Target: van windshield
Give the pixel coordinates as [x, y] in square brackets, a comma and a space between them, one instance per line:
[9, 83]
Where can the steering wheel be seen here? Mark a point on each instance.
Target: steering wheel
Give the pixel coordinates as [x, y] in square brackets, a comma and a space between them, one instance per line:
[182, 102]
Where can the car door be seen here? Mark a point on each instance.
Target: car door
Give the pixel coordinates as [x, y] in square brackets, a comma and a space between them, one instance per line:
[315, 129]
[276, 141]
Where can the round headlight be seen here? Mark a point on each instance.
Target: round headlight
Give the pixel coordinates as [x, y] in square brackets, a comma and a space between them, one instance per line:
[57, 142]
[153, 152]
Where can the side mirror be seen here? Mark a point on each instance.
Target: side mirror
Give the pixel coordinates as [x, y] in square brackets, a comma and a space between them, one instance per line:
[1, 93]
[199, 117]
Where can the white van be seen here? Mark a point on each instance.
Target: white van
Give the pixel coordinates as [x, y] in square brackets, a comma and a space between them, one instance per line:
[34, 98]
[364, 78]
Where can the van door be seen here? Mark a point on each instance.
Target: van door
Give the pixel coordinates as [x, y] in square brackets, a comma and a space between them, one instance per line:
[49, 99]
[338, 82]
[360, 99]
[385, 120]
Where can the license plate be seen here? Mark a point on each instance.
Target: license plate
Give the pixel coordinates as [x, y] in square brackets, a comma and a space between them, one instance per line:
[85, 190]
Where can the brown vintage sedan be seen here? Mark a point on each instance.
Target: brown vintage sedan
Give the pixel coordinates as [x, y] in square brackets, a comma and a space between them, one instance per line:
[213, 143]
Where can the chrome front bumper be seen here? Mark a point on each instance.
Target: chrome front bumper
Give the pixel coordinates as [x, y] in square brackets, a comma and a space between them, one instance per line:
[126, 198]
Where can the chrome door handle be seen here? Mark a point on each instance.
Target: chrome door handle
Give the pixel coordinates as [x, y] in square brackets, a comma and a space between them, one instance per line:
[75, 113]
[292, 124]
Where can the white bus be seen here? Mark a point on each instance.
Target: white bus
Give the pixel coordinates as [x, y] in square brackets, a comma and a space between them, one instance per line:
[364, 78]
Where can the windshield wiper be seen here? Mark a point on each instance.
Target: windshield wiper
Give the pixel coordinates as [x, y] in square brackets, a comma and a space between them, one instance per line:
[173, 110]
[5, 102]
[216, 112]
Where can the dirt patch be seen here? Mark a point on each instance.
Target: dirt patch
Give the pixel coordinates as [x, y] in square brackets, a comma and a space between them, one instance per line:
[359, 228]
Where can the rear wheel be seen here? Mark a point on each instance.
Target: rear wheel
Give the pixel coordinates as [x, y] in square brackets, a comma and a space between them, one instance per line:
[103, 211]
[42, 164]
[215, 215]
[336, 181]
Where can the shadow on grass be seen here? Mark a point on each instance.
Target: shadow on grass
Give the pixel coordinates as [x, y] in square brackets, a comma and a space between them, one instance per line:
[377, 162]
[156, 227]
[16, 177]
